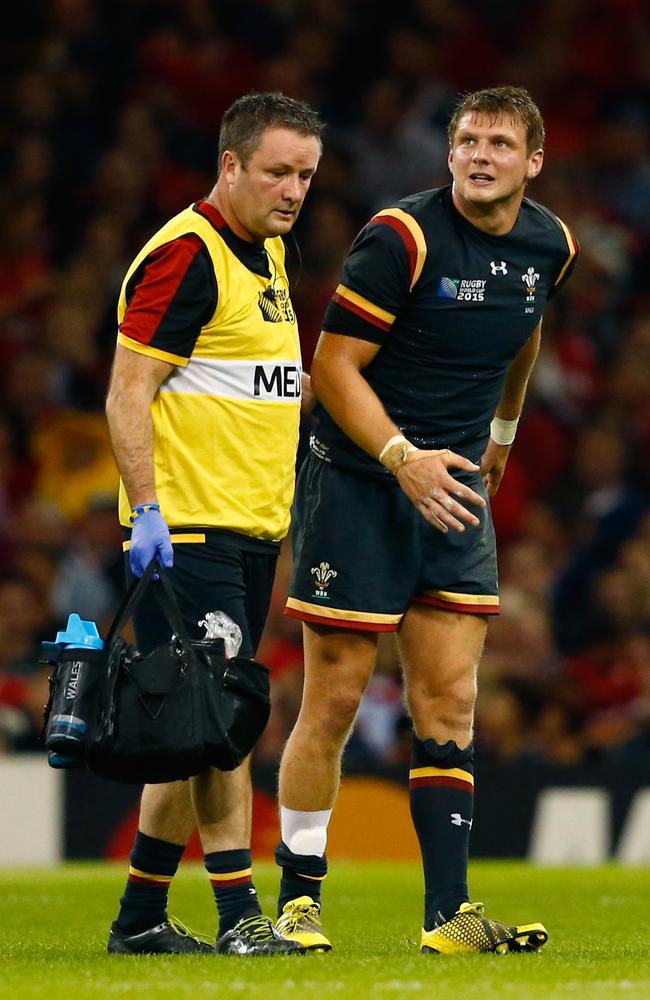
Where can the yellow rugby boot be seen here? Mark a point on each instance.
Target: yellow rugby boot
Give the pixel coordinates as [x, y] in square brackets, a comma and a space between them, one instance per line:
[469, 931]
[300, 921]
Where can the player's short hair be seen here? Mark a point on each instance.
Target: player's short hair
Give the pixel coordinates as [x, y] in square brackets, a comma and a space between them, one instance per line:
[245, 121]
[502, 102]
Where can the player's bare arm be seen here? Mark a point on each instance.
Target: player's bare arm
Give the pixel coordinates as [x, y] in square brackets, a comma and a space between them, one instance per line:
[495, 457]
[308, 401]
[135, 380]
[423, 475]
[345, 393]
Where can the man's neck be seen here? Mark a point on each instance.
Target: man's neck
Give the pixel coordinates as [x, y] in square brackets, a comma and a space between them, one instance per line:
[496, 218]
[219, 199]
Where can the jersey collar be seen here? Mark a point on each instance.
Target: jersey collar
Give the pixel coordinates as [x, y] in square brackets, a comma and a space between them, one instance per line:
[252, 255]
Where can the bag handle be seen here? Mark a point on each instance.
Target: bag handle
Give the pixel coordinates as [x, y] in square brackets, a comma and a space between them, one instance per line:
[166, 598]
[169, 603]
[129, 603]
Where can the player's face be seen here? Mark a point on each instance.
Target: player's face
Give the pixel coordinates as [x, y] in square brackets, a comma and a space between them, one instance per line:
[267, 195]
[489, 160]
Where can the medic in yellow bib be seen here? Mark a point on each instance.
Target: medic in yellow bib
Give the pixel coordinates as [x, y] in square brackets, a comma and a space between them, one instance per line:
[203, 410]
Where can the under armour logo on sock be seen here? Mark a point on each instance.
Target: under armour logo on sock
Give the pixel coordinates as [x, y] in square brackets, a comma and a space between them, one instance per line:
[457, 820]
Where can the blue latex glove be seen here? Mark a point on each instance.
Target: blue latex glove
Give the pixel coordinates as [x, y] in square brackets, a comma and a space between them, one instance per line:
[150, 539]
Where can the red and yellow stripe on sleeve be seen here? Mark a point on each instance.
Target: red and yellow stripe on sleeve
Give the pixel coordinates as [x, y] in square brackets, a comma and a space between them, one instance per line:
[416, 249]
[412, 236]
[363, 308]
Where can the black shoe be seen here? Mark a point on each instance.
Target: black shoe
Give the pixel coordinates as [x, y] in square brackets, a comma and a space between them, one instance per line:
[256, 935]
[168, 938]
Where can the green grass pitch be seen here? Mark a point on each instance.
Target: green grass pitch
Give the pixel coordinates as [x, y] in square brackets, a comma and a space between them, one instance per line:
[55, 922]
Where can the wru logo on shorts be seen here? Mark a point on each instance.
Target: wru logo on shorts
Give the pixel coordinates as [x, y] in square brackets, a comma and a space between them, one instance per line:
[323, 574]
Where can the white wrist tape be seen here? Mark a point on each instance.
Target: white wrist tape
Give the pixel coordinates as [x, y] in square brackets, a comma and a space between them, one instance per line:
[503, 431]
[396, 439]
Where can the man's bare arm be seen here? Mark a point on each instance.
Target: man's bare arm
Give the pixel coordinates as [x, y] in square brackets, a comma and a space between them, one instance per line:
[308, 401]
[135, 380]
[338, 383]
[514, 390]
[495, 457]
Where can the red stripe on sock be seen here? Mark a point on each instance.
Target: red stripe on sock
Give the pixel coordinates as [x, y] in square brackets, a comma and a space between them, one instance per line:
[137, 880]
[228, 883]
[441, 782]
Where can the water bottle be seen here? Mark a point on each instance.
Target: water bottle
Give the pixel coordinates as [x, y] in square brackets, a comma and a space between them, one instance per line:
[76, 654]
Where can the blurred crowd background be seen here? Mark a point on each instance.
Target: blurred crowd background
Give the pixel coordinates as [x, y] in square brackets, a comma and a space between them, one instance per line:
[111, 110]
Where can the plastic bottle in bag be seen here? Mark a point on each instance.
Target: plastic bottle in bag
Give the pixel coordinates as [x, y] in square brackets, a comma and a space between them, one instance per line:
[218, 625]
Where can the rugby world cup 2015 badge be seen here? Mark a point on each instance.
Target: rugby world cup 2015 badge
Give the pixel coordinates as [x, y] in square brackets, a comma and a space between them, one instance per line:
[462, 289]
[322, 573]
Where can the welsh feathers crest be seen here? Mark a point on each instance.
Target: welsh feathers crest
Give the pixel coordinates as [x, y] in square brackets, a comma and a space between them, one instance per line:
[323, 573]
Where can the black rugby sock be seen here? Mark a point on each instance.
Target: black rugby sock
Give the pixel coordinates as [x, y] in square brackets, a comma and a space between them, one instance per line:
[231, 878]
[302, 875]
[153, 865]
[441, 787]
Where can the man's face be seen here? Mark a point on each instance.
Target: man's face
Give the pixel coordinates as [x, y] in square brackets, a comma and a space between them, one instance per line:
[268, 193]
[489, 160]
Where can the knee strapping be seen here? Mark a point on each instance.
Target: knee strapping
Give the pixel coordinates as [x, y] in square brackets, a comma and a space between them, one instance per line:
[305, 832]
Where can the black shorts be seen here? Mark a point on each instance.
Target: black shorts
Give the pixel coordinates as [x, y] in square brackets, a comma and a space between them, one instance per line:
[212, 571]
[363, 553]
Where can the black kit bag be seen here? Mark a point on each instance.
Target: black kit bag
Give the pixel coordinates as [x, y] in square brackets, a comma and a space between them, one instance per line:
[180, 709]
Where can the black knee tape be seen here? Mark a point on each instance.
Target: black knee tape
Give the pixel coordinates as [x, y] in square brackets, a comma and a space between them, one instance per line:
[449, 754]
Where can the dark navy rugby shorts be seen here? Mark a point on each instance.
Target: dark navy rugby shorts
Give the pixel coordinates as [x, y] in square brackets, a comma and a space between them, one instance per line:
[363, 553]
[212, 571]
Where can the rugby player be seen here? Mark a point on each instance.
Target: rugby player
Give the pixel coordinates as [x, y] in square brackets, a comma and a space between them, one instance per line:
[420, 373]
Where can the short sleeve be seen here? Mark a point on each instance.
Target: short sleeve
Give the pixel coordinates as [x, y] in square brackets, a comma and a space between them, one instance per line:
[170, 297]
[378, 275]
[570, 256]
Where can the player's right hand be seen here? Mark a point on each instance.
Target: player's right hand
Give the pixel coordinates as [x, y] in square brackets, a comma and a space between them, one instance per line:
[429, 485]
[150, 539]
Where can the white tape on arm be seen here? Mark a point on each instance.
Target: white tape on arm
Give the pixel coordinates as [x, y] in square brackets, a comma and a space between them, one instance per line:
[395, 452]
[396, 439]
[503, 431]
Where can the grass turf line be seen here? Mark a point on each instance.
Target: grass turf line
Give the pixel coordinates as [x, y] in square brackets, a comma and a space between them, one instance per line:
[55, 925]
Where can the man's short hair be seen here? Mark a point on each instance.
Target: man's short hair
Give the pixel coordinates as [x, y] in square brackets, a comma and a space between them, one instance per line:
[502, 102]
[245, 121]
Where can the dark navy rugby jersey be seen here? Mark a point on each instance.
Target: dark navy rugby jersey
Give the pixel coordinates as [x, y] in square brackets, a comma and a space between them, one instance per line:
[450, 306]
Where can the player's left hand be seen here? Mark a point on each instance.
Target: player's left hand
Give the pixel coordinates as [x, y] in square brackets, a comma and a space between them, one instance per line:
[493, 465]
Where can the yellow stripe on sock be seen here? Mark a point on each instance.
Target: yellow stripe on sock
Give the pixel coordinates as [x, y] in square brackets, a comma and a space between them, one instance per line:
[227, 876]
[148, 875]
[442, 772]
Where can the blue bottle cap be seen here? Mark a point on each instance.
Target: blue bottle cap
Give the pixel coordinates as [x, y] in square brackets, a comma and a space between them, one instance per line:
[79, 634]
